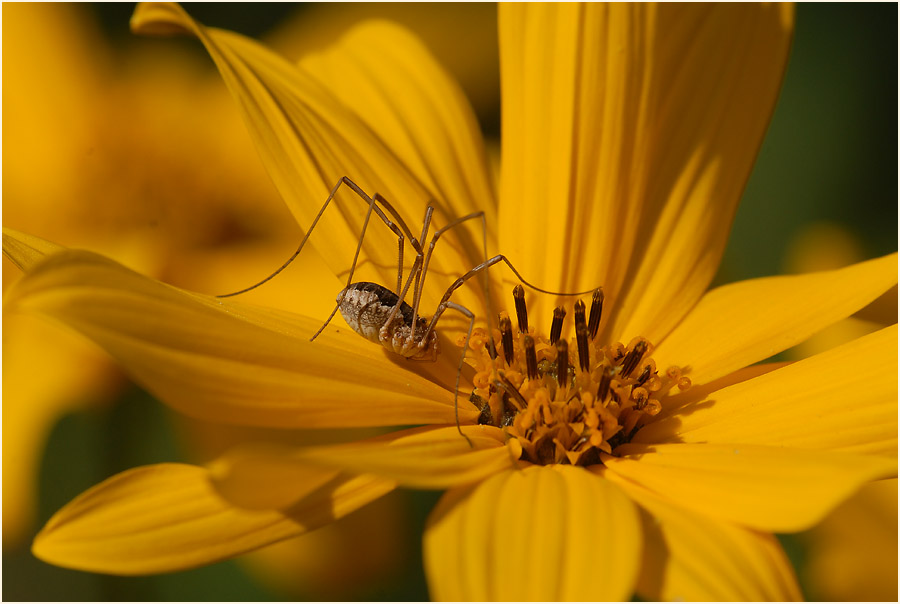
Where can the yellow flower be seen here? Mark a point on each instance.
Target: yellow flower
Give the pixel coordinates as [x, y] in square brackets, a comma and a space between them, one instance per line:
[852, 554]
[628, 133]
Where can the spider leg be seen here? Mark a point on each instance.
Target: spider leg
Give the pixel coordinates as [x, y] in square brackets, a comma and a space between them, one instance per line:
[372, 207]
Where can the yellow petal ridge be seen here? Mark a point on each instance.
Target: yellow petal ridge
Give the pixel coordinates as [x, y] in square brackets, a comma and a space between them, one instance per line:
[533, 535]
[844, 399]
[742, 323]
[168, 517]
[694, 558]
[765, 488]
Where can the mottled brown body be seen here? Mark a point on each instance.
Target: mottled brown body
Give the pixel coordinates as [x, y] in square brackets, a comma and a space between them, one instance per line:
[366, 308]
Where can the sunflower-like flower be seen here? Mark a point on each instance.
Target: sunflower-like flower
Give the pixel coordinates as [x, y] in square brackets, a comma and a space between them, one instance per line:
[642, 451]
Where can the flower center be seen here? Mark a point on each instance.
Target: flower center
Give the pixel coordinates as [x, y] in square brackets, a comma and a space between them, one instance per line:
[565, 401]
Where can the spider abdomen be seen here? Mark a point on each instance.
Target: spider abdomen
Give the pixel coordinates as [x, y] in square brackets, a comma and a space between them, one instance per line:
[366, 307]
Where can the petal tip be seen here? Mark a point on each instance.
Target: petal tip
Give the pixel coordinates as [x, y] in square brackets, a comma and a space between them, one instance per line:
[160, 19]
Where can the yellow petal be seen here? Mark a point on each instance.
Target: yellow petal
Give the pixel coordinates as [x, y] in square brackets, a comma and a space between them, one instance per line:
[767, 488]
[267, 476]
[230, 363]
[841, 400]
[397, 88]
[308, 139]
[432, 458]
[544, 533]
[693, 558]
[739, 324]
[629, 131]
[264, 477]
[26, 250]
[675, 402]
[167, 517]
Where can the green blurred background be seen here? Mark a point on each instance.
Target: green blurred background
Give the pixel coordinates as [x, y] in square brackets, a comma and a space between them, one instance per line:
[830, 157]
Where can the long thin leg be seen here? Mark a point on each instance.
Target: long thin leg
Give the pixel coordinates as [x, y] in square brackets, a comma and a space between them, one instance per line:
[420, 279]
[402, 232]
[362, 234]
[413, 274]
[434, 239]
[352, 268]
[444, 303]
[462, 360]
[462, 309]
[379, 198]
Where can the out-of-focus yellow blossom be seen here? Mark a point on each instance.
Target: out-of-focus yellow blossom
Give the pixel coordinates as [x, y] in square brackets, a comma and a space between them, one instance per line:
[852, 554]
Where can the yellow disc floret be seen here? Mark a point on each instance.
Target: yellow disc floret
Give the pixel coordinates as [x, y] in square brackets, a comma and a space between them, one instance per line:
[566, 401]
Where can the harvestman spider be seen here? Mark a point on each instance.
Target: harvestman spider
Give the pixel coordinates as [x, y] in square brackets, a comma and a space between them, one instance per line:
[382, 316]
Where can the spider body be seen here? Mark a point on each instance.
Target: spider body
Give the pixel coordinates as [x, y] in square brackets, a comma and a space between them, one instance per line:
[367, 308]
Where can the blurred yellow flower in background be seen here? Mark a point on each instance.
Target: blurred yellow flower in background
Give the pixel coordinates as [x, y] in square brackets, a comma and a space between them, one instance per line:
[852, 554]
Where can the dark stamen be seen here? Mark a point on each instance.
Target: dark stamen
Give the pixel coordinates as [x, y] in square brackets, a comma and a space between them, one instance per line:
[507, 342]
[596, 310]
[559, 313]
[531, 358]
[605, 379]
[513, 392]
[581, 333]
[521, 312]
[584, 358]
[645, 375]
[633, 358]
[579, 314]
[562, 363]
[492, 348]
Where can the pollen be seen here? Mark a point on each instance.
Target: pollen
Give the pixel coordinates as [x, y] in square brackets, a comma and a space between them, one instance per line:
[566, 401]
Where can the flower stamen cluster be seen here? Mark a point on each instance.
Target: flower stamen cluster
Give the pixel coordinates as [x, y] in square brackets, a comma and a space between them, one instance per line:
[566, 401]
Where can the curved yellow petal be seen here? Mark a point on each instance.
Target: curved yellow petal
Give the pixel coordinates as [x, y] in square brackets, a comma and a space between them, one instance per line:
[225, 362]
[673, 403]
[26, 250]
[629, 131]
[536, 534]
[386, 76]
[309, 138]
[693, 558]
[168, 517]
[742, 323]
[430, 457]
[852, 554]
[266, 476]
[766, 488]
[844, 399]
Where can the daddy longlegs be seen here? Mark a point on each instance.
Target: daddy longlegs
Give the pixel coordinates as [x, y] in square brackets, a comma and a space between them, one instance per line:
[384, 317]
